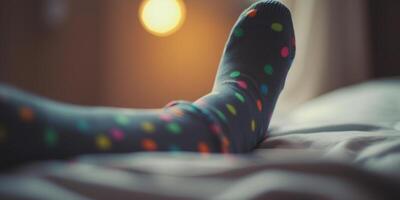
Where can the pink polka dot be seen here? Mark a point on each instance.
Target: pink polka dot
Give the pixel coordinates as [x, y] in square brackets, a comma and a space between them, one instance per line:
[117, 134]
[242, 84]
[285, 52]
[166, 117]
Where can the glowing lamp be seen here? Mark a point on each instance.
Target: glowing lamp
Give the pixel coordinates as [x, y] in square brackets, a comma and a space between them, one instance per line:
[162, 17]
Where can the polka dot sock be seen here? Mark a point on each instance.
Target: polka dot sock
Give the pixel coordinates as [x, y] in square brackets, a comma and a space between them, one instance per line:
[252, 73]
[233, 118]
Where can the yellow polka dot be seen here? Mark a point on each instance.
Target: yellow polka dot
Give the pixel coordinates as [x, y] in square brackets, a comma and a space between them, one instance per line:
[26, 114]
[148, 127]
[253, 125]
[231, 109]
[103, 143]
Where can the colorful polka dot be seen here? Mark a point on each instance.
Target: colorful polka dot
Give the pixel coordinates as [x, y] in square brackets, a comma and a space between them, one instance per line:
[252, 13]
[259, 105]
[50, 137]
[231, 109]
[149, 145]
[268, 69]
[103, 143]
[253, 125]
[122, 120]
[264, 89]
[117, 134]
[277, 27]
[203, 148]
[82, 126]
[239, 97]
[284, 52]
[235, 74]
[26, 114]
[148, 127]
[242, 84]
[225, 145]
[165, 117]
[221, 114]
[177, 112]
[174, 128]
[238, 32]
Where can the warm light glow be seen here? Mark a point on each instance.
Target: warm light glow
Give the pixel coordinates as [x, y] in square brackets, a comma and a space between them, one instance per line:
[162, 17]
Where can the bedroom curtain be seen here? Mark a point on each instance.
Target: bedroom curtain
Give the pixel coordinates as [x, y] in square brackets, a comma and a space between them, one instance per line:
[332, 49]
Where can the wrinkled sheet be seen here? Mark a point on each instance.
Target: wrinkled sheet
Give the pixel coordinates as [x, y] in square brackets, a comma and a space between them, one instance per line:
[343, 145]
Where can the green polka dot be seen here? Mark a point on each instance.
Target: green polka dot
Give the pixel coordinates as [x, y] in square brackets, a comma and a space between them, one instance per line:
[235, 74]
[220, 115]
[174, 128]
[238, 32]
[122, 120]
[82, 126]
[268, 69]
[240, 97]
[277, 27]
[50, 137]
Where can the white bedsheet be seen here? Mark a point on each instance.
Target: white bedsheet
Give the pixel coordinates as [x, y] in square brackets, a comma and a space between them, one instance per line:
[343, 145]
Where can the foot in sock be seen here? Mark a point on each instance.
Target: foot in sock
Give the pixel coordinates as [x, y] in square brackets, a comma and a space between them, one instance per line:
[233, 118]
[252, 72]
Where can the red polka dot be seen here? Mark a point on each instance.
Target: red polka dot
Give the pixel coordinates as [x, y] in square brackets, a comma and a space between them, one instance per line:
[285, 52]
[242, 84]
[252, 13]
[259, 105]
[149, 145]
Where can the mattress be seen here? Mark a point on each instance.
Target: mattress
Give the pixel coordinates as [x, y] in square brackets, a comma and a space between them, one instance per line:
[342, 145]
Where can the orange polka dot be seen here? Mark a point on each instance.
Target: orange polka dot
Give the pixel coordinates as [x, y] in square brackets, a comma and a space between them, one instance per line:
[203, 148]
[149, 145]
[225, 145]
[252, 13]
[26, 114]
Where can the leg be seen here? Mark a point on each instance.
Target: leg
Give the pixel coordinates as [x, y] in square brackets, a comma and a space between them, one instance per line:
[233, 118]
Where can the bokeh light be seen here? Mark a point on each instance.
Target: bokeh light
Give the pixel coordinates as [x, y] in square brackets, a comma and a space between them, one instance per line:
[162, 17]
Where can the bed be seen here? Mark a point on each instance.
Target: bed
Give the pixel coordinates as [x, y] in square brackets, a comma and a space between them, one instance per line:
[342, 145]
